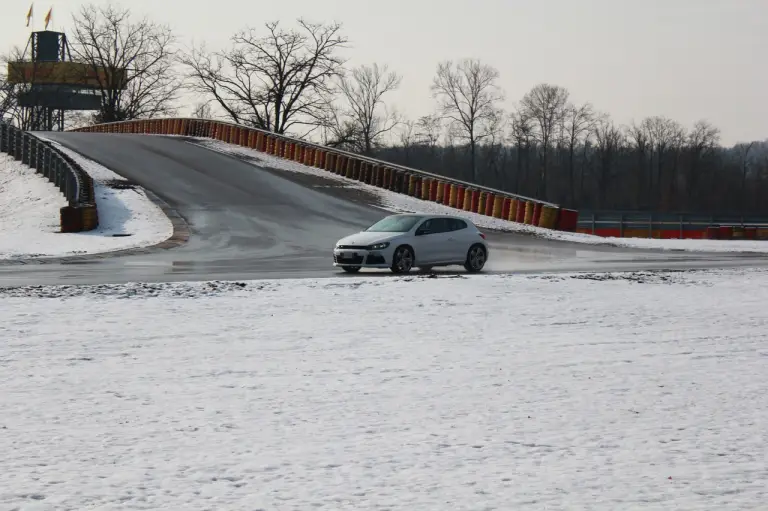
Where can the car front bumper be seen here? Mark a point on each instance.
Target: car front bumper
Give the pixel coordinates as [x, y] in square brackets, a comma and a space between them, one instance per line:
[361, 257]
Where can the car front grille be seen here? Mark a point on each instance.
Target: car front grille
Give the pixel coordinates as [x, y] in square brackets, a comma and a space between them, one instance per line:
[353, 247]
[348, 260]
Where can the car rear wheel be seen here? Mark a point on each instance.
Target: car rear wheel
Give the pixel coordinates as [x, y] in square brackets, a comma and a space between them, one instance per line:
[476, 257]
[402, 260]
[351, 269]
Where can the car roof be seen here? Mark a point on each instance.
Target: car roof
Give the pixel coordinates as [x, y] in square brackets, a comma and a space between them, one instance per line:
[433, 215]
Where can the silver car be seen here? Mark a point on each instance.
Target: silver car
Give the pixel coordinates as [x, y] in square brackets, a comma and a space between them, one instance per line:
[402, 242]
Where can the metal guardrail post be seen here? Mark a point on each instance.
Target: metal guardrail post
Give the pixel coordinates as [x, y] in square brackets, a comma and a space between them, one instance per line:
[3, 137]
[25, 149]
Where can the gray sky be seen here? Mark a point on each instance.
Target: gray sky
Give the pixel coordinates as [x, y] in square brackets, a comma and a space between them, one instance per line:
[685, 59]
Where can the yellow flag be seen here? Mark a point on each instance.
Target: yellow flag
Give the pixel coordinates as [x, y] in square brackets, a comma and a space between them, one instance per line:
[29, 14]
[48, 17]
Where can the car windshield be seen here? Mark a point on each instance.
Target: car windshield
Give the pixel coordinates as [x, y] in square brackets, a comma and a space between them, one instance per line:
[396, 223]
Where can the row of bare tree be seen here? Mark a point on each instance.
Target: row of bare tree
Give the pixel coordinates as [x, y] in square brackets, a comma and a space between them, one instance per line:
[294, 80]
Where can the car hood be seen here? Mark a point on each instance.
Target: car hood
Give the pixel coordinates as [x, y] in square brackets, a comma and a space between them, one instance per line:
[369, 238]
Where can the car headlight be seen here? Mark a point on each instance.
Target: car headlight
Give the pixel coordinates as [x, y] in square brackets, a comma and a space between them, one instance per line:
[379, 246]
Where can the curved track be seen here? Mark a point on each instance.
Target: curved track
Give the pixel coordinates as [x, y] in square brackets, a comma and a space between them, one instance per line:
[248, 222]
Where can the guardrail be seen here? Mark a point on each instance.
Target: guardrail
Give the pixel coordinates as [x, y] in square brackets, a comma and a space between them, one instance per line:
[75, 184]
[417, 183]
[624, 224]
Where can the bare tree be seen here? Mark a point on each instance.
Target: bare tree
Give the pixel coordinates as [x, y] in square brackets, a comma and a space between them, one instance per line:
[364, 89]
[545, 105]
[408, 137]
[524, 135]
[578, 122]
[203, 110]
[662, 134]
[744, 150]
[702, 139]
[609, 139]
[274, 82]
[131, 59]
[429, 130]
[468, 96]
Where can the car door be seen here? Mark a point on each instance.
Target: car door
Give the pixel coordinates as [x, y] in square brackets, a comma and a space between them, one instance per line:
[457, 240]
[429, 241]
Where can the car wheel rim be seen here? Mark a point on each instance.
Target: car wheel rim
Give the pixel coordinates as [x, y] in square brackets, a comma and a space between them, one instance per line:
[404, 260]
[477, 258]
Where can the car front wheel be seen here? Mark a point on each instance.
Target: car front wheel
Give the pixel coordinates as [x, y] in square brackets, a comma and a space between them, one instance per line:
[476, 257]
[402, 260]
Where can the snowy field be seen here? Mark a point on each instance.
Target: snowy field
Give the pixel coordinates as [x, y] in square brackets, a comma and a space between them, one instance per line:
[29, 214]
[637, 391]
[402, 203]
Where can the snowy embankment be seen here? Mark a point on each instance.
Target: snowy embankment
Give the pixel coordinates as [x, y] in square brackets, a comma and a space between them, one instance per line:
[29, 214]
[402, 203]
[602, 392]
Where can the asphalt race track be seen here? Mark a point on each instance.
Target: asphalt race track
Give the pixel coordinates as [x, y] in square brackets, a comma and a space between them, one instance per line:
[252, 223]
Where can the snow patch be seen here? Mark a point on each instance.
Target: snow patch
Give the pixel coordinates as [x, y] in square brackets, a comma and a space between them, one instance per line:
[29, 214]
[399, 203]
[631, 391]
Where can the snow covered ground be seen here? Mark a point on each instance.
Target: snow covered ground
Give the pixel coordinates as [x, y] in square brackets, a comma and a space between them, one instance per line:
[402, 203]
[29, 214]
[601, 392]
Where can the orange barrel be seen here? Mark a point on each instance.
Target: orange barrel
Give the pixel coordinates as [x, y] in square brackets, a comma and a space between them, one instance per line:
[475, 201]
[520, 213]
[434, 184]
[184, 127]
[280, 147]
[567, 220]
[320, 157]
[397, 180]
[750, 233]
[418, 186]
[738, 232]
[453, 196]
[498, 206]
[713, 232]
[163, 126]
[179, 125]
[412, 184]
[349, 163]
[489, 201]
[225, 129]
[548, 218]
[529, 206]
[481, 202]
[341, 164]
[261, 141]
[356, 169]
[330, 162]
[426, 186]
[244, 134]
[269, 143]
[405, 185]
[377, 175]
[308, 156]
[536, 213]
[365, 172]
[234, 134]
[512, 213]
[298, 153]
[505, 208]
[440, 192]
[447, 193]
[460, 192]
[290, 149]
[467, 204]
[726, 232]
[386, 177]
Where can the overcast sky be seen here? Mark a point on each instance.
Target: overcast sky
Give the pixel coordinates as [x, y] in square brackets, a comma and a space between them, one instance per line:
[685, 59]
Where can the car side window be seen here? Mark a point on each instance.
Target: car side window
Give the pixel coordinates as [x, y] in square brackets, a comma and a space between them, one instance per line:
[457, 225]
[435, 226]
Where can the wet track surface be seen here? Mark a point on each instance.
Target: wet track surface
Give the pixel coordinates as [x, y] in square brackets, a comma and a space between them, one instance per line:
[251, 223]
